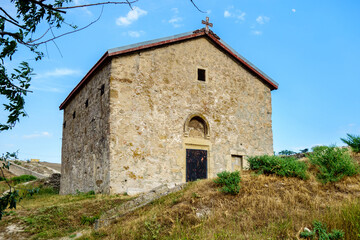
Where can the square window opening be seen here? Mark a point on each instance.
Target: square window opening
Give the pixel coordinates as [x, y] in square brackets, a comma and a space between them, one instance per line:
[201, 74]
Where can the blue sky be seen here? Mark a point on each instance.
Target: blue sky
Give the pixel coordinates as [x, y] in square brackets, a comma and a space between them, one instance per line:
[310, 48]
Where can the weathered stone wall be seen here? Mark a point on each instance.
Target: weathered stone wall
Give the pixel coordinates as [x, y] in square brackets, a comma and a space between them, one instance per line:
[85, 142]
[152, 94]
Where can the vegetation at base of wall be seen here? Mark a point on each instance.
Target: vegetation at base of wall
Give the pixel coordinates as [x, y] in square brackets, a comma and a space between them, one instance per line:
[285, 167]
[228, 182]
[332, 163]
[352, 141]
[287, 205]
[2, 178]
[320, 232]
[22, 179]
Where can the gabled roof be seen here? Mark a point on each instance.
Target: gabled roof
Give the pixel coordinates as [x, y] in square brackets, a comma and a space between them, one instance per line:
[165, 41]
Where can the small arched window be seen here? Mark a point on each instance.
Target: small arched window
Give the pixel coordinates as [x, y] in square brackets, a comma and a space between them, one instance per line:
[196, 126]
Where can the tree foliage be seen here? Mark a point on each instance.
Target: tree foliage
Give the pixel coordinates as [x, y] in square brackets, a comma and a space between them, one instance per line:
[18, 31]
[353, 141]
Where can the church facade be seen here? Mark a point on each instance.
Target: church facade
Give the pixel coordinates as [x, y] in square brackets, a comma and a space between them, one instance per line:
[170, 110]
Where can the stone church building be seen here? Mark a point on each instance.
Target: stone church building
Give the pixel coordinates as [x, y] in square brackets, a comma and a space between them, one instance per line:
[170, 110]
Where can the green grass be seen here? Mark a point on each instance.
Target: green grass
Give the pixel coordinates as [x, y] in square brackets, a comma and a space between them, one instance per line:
[22, 179]
[285, 167]
[48, 215]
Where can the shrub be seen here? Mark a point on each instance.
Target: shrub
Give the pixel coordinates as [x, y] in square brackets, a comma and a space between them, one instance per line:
[320, 232]
[353, 141]
[285, 167]
[23, 178]
[229, 182]
[2, 178]
[332, 163]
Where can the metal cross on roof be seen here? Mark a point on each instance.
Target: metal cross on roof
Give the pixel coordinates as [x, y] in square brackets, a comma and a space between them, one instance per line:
[207, 23]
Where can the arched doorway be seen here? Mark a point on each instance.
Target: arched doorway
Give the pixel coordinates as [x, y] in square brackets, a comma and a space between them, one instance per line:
[197, 129]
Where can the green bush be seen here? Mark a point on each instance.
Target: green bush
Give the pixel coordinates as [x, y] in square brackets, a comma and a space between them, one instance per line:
[22, 178]
[2, 178]
[285, 167]
[353, 141]
[333, 163]
[320, 232]
[229, 182]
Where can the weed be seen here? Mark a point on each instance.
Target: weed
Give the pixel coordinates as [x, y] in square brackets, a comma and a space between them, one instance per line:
[195, 195]
[285, 167]
[85, 220]
[2, 178]
[320, 232]
[99, 234]
[229, 182]
[353, 141]
[152, 228]
[333, 163]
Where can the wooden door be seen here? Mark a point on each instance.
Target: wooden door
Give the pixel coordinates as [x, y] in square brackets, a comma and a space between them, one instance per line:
[196, 164]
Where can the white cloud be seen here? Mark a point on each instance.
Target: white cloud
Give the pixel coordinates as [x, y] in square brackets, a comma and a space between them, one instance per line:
[175, 10]
[256, 32]
[175, 20]
[293, 10]
[58, 72]
[262, 19]
[37, 135]
[85, 9]
[227, 14]
[135, 34]
[234, 13]
[131, 17]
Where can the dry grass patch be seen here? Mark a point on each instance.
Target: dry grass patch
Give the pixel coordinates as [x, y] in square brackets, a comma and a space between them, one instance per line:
[267, 207]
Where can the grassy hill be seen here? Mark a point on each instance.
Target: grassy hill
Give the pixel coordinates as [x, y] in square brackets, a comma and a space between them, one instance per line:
[267, 207]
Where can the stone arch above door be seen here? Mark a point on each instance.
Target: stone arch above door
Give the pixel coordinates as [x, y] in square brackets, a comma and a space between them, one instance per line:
[197, 126]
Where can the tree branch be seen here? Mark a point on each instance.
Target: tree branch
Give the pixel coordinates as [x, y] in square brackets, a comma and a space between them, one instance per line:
[8, 15]
[196, 7]
[50, 7]
[40, 36]
[102, 3]
[12, 22]
[51, 39]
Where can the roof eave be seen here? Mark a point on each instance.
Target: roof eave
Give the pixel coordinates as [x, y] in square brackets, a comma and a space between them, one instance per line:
[164, 41]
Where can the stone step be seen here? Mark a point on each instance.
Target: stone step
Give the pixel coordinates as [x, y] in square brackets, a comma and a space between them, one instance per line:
[113, 214]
